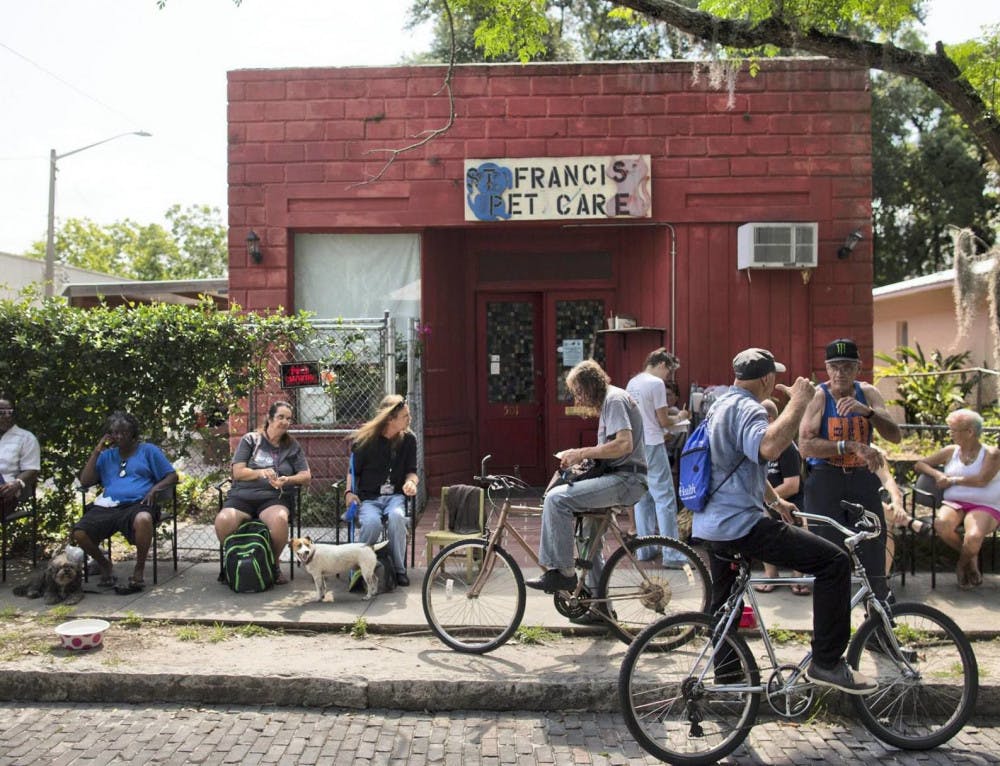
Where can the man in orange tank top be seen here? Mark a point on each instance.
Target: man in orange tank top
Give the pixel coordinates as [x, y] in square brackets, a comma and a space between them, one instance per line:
[835, 435]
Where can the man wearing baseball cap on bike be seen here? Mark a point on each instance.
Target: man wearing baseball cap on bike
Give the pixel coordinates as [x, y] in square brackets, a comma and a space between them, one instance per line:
[742, 441]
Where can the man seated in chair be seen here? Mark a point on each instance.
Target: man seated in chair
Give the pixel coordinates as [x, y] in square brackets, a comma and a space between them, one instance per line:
[20, 458]
[131, 473]
[384, 451]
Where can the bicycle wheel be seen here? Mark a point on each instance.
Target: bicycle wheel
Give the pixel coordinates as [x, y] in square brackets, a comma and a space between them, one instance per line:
[923, 705]
[467, 622]
[639, 592]
[675, 703]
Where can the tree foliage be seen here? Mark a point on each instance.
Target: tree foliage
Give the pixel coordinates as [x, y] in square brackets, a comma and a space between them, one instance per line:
[577, 30]
[194, 247]
[68, 368]
[863, 32]
[927, 387]
[929, 177]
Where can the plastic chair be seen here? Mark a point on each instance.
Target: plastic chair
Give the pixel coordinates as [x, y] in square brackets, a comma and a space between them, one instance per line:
[166, 517]
[443, 535]
[294, 528]
[26, 508]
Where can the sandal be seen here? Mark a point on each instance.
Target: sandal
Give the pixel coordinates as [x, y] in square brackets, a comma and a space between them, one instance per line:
[800, 589]
[923, 531]
[133, 586]
[281, 579]
[764, 587]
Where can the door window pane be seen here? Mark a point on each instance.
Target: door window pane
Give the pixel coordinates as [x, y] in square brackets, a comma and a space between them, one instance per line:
[510, 352]
[577, 323]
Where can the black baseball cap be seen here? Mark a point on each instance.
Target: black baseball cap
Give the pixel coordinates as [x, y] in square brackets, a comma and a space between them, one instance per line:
[754, 363]
[842, 350]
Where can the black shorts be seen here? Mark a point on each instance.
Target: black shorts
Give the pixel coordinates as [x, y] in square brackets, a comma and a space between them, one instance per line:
[253, 507]
[100, 523]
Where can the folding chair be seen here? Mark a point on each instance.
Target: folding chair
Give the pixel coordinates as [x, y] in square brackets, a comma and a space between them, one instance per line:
[26, 508]
[167, 516]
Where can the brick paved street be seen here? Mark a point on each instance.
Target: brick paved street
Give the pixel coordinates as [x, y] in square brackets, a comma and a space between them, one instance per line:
[61, 735]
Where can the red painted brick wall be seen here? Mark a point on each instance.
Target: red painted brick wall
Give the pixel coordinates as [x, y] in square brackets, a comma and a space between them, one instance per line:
[795, 145]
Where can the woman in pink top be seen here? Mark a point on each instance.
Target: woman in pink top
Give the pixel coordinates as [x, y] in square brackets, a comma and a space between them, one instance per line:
[970, 478]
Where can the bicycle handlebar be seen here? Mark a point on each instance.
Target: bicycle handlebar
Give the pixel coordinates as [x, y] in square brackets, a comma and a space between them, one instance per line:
[869, 526]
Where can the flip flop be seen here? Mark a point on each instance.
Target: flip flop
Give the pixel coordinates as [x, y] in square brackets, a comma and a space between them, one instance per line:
[133, 586]
[764, 587]
[801, 590]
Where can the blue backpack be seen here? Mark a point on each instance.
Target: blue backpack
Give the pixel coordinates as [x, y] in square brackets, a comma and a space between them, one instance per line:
[695, 477]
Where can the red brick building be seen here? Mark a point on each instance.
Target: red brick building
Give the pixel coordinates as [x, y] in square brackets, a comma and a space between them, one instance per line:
[512, 300]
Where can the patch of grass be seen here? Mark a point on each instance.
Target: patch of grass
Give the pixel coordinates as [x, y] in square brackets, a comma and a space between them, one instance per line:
[188, 633]
[16, 644]
[253, 631]
[9, 613]
[533, 634]
[57, 614]
[131, 620]
[218, 633]
[786, 636]
[359, 629]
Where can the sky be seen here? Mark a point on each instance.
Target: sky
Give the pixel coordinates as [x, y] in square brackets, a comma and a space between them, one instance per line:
[76, 72]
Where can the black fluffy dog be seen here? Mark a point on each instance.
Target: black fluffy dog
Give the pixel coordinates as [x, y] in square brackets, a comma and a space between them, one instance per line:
[60, 581]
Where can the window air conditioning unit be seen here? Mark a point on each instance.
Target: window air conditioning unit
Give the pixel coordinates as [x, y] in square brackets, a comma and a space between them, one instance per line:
[777, 246]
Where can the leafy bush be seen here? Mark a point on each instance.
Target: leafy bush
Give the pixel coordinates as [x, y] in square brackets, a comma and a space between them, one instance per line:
[68, 368]
[927, 398]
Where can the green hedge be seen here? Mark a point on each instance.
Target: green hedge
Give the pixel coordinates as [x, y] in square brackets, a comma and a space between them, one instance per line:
[68, 368]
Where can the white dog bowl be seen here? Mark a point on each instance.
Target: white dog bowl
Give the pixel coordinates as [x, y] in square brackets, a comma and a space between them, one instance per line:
[82, 634]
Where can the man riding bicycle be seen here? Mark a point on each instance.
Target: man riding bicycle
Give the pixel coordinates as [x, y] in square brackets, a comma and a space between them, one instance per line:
[742, 442]
[620, 445]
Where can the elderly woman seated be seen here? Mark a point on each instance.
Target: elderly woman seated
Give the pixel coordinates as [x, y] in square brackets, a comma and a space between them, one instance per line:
[969, 474]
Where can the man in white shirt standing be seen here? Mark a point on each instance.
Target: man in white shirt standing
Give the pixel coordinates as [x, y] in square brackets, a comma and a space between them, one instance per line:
[20, 457]
[658, 507]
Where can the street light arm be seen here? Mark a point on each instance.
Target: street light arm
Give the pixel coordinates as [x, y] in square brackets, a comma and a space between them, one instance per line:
[50, 234]
[142, 133]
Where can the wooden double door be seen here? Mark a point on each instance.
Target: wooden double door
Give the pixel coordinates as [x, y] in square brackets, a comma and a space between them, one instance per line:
[526, 344]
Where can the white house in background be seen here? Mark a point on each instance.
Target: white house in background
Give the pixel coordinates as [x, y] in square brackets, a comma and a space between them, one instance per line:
[19, 271]
[922, 310]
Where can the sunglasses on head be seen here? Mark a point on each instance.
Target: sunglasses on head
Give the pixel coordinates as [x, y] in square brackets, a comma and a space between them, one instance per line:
[397, 407]
[121, 471]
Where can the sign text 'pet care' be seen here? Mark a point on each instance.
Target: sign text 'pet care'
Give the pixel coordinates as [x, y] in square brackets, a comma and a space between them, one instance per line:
[547, 188]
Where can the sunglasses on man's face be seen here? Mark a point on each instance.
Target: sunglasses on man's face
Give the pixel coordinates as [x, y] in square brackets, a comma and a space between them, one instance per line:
[6, 410]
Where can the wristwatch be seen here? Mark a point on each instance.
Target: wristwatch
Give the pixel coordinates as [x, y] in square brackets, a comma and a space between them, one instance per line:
[871, 413]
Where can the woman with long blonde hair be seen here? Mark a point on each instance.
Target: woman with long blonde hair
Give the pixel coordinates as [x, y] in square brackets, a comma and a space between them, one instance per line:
[383, 474]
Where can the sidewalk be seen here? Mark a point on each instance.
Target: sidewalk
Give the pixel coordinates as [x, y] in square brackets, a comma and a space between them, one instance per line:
[313, 662]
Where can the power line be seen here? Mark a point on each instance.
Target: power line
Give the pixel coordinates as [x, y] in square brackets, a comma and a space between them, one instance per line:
[69, 85]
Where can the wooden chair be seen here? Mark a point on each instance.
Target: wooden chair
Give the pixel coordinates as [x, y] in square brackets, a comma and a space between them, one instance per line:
[294, 527]
[443, 535]
[166, 501]
[26, 508]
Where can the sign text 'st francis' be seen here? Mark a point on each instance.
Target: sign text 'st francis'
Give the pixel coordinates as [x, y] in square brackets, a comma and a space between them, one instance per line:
[539, 189]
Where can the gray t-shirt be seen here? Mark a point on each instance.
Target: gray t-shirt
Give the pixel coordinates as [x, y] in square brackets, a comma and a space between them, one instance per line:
[620, 413]
[736, 426]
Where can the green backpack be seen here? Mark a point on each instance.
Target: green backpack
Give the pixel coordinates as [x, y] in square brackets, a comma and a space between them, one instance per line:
[248, 559]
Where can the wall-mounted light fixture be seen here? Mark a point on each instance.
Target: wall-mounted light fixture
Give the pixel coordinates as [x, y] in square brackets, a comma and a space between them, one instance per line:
[253, 247]
[849, 244]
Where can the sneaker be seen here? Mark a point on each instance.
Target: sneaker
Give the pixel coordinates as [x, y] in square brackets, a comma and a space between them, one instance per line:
[552, 581]
[842, 677]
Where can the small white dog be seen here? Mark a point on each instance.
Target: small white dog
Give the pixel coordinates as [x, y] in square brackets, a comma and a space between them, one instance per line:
[321, 560]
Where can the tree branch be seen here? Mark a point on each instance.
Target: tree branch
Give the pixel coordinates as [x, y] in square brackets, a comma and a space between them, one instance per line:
[428, 135]
[937, 71]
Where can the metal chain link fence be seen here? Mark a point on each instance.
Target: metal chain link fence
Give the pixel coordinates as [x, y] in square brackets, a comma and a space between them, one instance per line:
[361, 361]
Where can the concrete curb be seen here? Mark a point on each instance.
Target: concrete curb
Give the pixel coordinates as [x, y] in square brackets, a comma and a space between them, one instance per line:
[599, 696]
[300, 691]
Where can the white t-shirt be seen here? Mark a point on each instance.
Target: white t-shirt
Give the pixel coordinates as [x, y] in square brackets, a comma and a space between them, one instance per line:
[650, 394]
[19, 451]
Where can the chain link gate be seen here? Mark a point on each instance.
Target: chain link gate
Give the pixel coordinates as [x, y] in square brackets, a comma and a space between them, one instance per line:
[361, 361]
